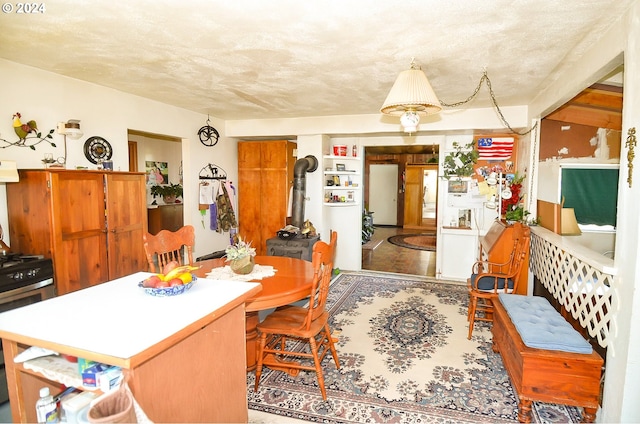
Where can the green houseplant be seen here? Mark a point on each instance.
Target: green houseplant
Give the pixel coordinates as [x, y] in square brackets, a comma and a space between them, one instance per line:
[460, 162]
[169, 192]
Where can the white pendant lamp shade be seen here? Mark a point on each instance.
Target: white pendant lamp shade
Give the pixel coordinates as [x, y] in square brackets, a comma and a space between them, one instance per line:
[411, 91]
[410, 97]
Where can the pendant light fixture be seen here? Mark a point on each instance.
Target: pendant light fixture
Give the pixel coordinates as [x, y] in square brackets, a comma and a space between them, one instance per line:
[411, 97]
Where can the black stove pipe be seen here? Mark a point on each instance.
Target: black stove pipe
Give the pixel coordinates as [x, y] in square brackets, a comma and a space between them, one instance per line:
[300, 168]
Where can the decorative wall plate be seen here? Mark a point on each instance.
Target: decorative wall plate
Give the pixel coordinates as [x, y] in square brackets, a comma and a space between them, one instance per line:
[97, 149]
[208, 135]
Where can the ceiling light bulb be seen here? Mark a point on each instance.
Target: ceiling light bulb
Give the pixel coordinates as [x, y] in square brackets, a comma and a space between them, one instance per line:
[410, 120]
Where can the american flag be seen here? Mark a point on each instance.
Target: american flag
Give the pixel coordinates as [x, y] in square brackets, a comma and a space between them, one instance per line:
[498, 148]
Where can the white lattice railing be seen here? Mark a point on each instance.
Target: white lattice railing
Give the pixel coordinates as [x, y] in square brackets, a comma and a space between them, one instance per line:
[578, 278]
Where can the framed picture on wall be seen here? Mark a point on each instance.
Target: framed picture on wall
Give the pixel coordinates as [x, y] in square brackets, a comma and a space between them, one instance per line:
[457, 186]
[157, 172]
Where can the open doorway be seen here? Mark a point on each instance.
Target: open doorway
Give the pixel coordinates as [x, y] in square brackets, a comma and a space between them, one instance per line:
[160, 157]
[386, 195]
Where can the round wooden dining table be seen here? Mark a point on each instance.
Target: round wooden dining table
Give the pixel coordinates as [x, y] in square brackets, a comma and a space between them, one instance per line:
[292, 282]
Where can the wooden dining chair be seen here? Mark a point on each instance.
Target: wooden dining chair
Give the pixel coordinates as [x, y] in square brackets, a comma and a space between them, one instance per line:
[167, 246]
[309, 324]
[333, 242]
[488, 279]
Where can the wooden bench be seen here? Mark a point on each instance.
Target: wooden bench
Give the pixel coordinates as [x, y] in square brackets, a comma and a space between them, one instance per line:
[545, 375]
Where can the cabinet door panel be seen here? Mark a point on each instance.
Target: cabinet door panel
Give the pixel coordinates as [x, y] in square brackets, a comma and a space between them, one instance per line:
[249, 154]
[249, 211]
[274, 154]
[273, 203]
[79, 230]
[126, 221]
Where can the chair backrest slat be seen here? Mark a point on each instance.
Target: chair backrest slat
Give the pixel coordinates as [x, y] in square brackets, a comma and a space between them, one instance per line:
[322, 258]
[522, 237]
[167, 246]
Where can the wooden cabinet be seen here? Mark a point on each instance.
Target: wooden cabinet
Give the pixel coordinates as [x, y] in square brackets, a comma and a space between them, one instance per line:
[265, 179]
[165, 217]
[497, 245]
[89, 222]
[420, 196]
[190, 368]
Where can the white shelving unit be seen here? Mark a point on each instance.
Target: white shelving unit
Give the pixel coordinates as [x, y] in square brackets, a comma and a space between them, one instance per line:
[346, 174]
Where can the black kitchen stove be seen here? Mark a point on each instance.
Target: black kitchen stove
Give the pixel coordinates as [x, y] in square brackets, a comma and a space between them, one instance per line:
[24, 280]
[17, 271]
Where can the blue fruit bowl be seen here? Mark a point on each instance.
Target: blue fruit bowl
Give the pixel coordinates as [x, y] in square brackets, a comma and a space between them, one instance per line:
[167, 291]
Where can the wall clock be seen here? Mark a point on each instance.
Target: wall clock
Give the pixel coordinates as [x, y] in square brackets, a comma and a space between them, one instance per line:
[97, 149]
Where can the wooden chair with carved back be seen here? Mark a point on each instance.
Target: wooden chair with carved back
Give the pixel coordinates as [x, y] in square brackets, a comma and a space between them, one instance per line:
[167, 246]
[309, 324]
[488, 279]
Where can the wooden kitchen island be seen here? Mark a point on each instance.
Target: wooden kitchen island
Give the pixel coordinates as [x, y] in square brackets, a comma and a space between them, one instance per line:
[185, 354]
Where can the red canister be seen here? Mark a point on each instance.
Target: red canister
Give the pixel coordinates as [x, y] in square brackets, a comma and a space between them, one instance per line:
[340, 150]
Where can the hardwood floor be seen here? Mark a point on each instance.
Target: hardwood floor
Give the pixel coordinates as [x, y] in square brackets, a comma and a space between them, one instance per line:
[388, 257]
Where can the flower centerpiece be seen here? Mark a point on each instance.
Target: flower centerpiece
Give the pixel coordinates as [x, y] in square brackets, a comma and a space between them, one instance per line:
[241, 256]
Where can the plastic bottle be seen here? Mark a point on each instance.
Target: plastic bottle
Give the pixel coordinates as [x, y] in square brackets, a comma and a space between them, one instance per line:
[46, 408]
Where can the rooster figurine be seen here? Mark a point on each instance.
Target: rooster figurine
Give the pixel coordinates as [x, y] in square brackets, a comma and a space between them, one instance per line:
[23, 130]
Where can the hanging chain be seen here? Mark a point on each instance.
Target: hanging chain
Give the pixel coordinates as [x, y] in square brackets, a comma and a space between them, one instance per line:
[485, 79]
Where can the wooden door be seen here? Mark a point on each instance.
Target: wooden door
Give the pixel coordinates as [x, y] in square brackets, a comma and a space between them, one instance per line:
[265, 175]
[126, 217]
[275, 185]
[79, 230]
[249, 192]
[413, 197]
[420, 213]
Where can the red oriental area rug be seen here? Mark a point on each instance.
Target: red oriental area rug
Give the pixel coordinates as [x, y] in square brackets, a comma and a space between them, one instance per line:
[415, 241]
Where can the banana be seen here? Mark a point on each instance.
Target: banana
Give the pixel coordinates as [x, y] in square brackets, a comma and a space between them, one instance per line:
[177, 271]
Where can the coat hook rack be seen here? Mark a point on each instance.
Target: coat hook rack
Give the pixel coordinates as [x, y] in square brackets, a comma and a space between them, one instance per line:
[212, 171]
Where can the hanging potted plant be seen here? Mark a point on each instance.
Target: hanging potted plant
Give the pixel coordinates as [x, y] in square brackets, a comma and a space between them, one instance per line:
[241, 256]
[169, 192]
[461, 161]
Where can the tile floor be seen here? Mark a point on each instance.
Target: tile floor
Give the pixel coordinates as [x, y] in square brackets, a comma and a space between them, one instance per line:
[388, 257]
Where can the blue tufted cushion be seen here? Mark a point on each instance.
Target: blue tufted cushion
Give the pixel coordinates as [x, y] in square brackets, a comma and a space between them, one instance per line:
[540, 326]
[487, 283]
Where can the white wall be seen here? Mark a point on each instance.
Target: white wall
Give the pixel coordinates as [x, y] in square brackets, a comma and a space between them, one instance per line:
[50, 98]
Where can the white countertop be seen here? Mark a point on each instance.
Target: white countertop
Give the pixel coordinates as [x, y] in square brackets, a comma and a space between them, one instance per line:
[118, 318]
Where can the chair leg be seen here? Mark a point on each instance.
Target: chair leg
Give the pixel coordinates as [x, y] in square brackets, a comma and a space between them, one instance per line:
[316, 361]
[473, 302]
[260, 354]
[334, 353]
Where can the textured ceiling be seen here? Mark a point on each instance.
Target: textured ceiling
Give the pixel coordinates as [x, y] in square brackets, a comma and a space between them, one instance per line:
[248, 59]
